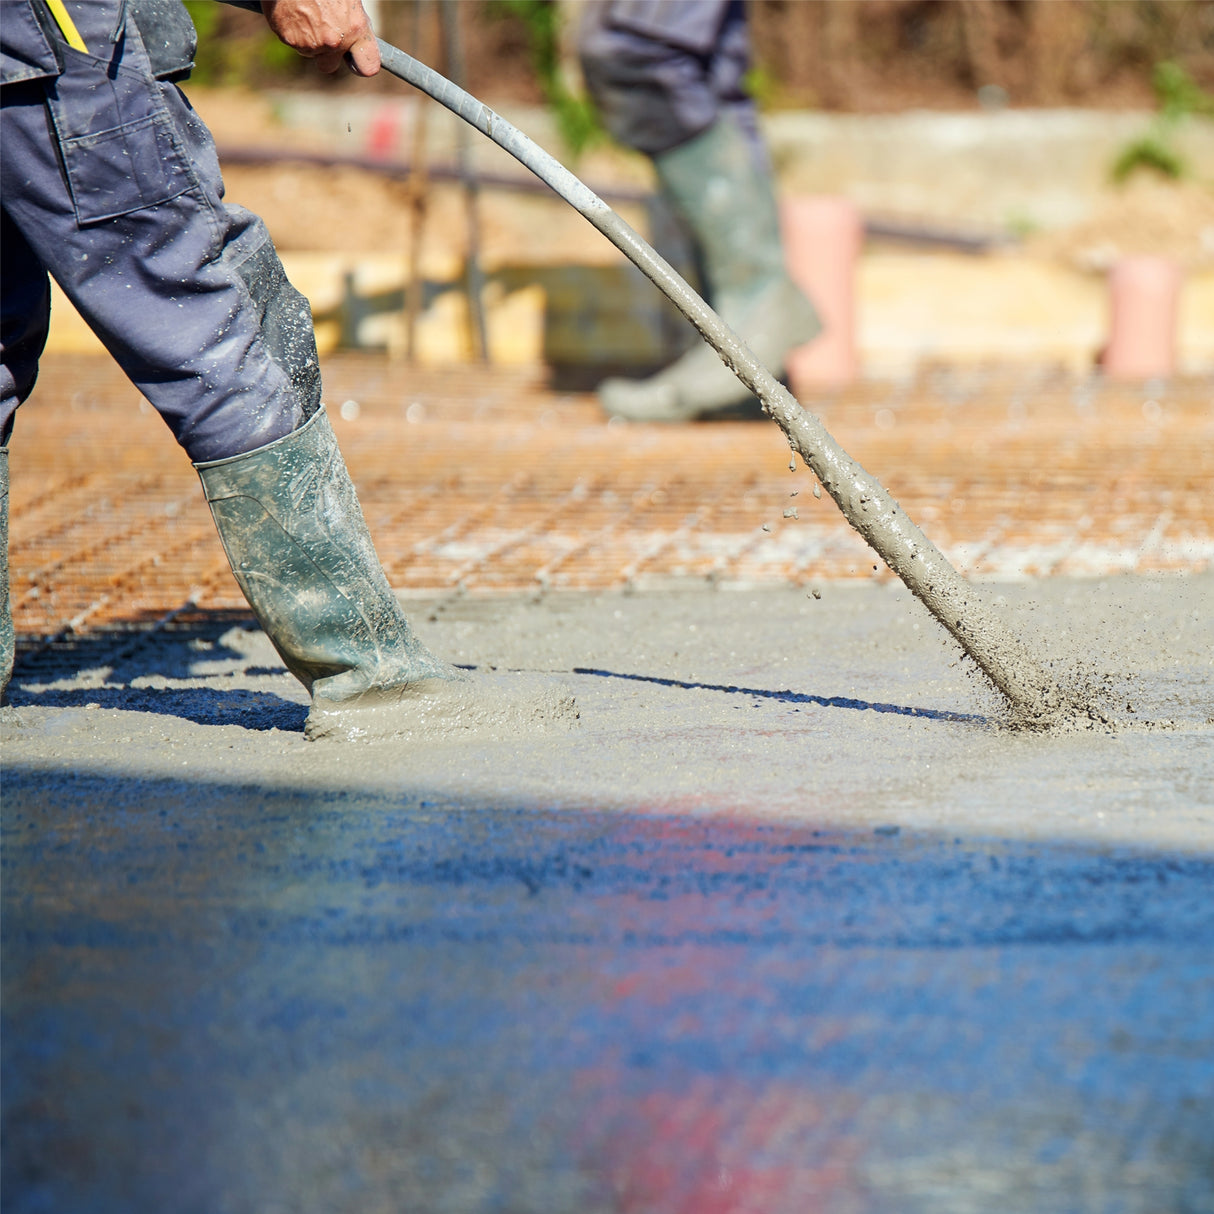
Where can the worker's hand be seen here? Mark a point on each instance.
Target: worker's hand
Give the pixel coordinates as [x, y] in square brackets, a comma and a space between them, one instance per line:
[329, 31]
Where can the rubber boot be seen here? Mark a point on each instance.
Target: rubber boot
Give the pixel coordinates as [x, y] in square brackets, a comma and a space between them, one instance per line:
[298, 545]
[727, 201]
[6, 615]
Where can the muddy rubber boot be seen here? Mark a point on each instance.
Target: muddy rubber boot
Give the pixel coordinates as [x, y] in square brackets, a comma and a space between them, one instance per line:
[6, 615]
[727, 201]
[298, 545]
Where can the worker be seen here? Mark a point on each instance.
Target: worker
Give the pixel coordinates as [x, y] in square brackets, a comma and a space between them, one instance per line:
[110, 182]
[667, 79]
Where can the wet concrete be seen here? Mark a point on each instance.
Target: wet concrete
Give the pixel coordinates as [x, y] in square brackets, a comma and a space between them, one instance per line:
[787, 923]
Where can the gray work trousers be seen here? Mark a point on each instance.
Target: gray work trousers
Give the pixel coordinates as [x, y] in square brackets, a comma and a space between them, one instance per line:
[109, 181]
[662, 71]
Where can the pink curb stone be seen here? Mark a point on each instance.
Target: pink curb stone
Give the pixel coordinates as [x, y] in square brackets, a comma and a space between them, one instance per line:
[383, 132]
[1144, 294]
[822, 239]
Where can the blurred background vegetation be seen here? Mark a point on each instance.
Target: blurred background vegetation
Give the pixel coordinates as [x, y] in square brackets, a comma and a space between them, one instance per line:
[860, 56]
[876, 55]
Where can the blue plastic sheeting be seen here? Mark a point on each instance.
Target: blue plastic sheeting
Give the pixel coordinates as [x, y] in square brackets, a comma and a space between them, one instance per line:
[236, 998]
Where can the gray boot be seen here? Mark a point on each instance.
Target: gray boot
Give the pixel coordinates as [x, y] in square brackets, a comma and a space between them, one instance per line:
[727, 201]
[6, 615]
[297, 542]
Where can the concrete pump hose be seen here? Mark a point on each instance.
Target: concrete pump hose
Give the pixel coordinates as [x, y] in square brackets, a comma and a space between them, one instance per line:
[1030, 689]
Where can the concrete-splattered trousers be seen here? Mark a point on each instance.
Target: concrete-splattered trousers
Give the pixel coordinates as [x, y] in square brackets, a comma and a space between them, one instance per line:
[663, 71]
[110, 183]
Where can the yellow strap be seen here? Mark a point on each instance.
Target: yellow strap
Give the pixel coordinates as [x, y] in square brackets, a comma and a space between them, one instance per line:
[66, 25]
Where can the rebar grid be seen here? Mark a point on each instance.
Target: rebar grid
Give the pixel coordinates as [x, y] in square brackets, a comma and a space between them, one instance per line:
[483, 480]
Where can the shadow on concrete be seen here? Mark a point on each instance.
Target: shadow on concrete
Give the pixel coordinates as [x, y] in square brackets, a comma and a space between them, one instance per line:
[253, 710]
[793, 697]
[183, 665]
[242, 997]
[178, 666]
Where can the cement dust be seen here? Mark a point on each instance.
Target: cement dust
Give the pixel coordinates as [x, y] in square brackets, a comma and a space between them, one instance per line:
[1102, 684]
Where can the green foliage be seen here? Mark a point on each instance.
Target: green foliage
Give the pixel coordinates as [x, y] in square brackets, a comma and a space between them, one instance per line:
[227, 58]
[1148, 152]
[277, 58]
[1179, 97]
[205, 16]
[1022, 225]
[208, 59]
[576, 118]
[761, 83]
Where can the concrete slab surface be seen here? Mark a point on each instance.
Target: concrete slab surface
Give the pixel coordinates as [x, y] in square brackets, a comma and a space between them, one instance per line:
[788, 921]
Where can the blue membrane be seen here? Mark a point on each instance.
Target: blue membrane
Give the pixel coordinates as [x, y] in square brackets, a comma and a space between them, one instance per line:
[223, 997]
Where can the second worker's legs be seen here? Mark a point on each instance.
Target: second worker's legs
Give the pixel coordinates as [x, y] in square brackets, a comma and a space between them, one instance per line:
[667, 77]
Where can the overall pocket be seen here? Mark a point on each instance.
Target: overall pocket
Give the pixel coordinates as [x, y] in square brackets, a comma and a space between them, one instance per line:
[116, 139]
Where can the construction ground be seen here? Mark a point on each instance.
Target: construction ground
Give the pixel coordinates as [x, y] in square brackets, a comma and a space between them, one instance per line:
[789, 918]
